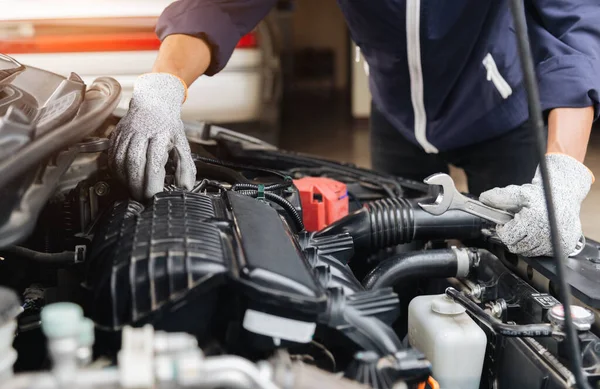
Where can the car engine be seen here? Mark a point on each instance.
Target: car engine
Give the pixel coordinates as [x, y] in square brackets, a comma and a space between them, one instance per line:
[277, 270]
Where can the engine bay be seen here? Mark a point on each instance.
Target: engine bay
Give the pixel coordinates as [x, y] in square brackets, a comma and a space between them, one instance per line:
[277, 270]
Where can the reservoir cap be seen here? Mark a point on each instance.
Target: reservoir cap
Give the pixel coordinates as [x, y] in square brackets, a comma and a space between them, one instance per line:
[582, 318]
[444, 305]
[61, 320]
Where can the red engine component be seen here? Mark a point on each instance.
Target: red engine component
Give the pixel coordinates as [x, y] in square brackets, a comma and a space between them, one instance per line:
[324, 201]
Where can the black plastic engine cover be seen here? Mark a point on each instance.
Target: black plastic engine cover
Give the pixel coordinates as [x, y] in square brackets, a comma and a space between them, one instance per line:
[272, 259]
[149, 261]
[145, 260]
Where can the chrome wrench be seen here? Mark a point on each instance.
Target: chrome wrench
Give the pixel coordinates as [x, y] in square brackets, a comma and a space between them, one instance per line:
[450, 198]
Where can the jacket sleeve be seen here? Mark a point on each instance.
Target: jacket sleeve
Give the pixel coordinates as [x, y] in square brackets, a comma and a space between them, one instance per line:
[221, 23]
[565, 36]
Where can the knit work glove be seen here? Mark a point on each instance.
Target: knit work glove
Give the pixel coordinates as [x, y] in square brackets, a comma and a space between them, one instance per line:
[143, 139]
[528, 234]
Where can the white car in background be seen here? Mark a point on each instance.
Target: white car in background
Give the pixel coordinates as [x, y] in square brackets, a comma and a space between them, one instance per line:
[116, 38]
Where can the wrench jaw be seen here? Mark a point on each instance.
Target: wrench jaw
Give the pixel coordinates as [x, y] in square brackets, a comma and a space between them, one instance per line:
[435, 208]
[441, 179]
[444, 199]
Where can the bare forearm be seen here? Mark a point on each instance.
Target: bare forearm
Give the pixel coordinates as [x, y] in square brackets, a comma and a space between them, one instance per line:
[184, 56]
[569, 131]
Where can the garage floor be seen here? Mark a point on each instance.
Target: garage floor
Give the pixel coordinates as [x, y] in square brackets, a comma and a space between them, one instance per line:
[321, 126]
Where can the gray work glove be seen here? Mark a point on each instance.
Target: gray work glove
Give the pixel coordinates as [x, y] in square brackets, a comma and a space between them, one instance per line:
[528, 233]
[140, 145]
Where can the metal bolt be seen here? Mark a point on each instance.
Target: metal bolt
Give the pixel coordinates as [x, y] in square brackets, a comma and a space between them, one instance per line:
[476, 291]
[101, 188]
[80, 251]
[496, 310]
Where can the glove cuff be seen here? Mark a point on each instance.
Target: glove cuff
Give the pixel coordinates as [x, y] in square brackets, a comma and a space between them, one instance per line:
[185, 87]
[574, 160]
[159, 89]
[567, 175]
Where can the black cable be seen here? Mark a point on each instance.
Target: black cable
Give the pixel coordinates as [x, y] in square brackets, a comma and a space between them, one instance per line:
[270, 188]
[325, 352]
[283, 203]
[197, 157]
[361, 174]
[536, 119]
[504, 329]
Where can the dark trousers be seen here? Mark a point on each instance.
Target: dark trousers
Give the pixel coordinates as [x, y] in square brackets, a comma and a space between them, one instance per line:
[502, 161]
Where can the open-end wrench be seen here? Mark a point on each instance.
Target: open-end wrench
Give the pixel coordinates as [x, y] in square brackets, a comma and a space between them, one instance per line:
[450, 198]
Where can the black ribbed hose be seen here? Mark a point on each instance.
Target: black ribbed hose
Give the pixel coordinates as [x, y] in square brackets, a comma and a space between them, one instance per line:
[390, 222]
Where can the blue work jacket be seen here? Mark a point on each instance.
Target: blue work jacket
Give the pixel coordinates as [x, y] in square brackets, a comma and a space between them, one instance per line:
[445, 73]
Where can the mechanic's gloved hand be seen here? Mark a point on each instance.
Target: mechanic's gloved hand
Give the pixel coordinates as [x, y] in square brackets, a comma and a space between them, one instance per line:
[144, 137]
[528, 233]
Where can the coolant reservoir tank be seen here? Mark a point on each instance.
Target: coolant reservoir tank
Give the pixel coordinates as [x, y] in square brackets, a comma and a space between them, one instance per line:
[449, 338]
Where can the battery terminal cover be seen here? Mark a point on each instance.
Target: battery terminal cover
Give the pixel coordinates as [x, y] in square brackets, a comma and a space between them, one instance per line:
[324, 201]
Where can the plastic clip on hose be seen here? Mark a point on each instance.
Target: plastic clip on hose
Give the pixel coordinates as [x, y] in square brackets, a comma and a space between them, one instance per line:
[261, 192]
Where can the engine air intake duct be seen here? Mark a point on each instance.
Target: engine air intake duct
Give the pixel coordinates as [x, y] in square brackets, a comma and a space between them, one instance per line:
[393, 221]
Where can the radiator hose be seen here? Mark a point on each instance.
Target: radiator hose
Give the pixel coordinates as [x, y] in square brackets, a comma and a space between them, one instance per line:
[393, 221]
[421, 264]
